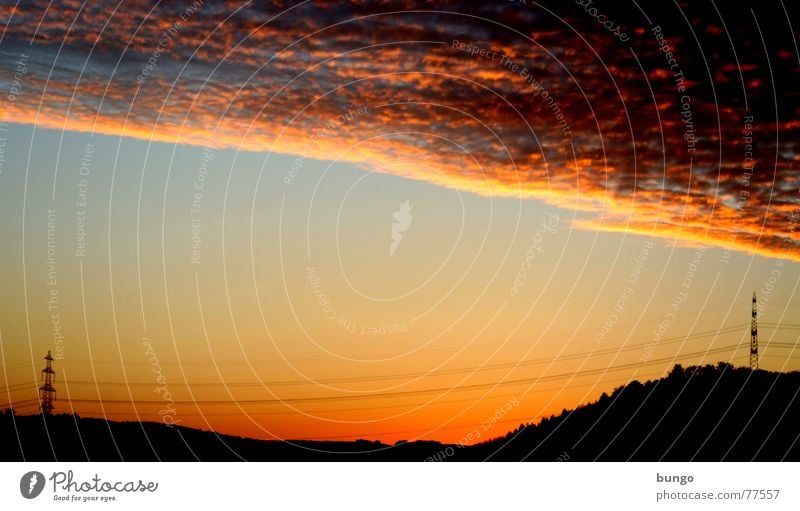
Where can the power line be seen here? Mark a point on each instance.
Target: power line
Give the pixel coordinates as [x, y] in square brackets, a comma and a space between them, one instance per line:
[387, 395]
[445, 372]
[405, 405]
[782, 326]
[511, 342]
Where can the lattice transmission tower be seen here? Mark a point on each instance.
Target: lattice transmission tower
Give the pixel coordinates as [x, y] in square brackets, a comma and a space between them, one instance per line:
[754, 336]
[47, 393]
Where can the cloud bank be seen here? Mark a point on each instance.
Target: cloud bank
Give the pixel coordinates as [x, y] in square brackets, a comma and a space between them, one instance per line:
[671, 121]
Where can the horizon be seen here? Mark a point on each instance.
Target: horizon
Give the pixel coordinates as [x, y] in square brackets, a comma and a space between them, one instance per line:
[472, 439]
[667, 419]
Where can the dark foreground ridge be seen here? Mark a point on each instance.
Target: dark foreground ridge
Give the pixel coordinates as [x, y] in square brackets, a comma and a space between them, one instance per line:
[707, 413]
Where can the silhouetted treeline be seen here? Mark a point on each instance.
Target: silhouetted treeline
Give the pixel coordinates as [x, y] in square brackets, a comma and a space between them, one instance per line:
[697, 413]
[707, 413]
[70, 438]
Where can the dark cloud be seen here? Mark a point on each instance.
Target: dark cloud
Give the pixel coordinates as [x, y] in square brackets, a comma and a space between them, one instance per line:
[577, 107]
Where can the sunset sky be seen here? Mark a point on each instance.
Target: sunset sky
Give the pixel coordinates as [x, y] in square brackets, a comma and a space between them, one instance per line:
[203, 207]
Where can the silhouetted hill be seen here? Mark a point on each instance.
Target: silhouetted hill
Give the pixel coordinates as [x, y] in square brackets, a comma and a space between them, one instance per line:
[707, 413]
[698, 413]
[70, 438]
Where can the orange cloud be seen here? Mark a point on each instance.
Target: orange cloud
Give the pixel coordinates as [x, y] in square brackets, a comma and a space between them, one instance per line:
[672, 134]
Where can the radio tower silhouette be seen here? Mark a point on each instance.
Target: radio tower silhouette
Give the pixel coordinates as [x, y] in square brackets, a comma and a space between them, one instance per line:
[47, 393]
[754, 336]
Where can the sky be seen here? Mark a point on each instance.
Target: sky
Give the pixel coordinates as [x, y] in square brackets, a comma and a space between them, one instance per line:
[389, 220]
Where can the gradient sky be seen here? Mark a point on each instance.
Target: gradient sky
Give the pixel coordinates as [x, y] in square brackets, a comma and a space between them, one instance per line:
[541, 266]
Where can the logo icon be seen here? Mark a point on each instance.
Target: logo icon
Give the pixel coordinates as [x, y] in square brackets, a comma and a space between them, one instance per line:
[31, 484]
[402, 221]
